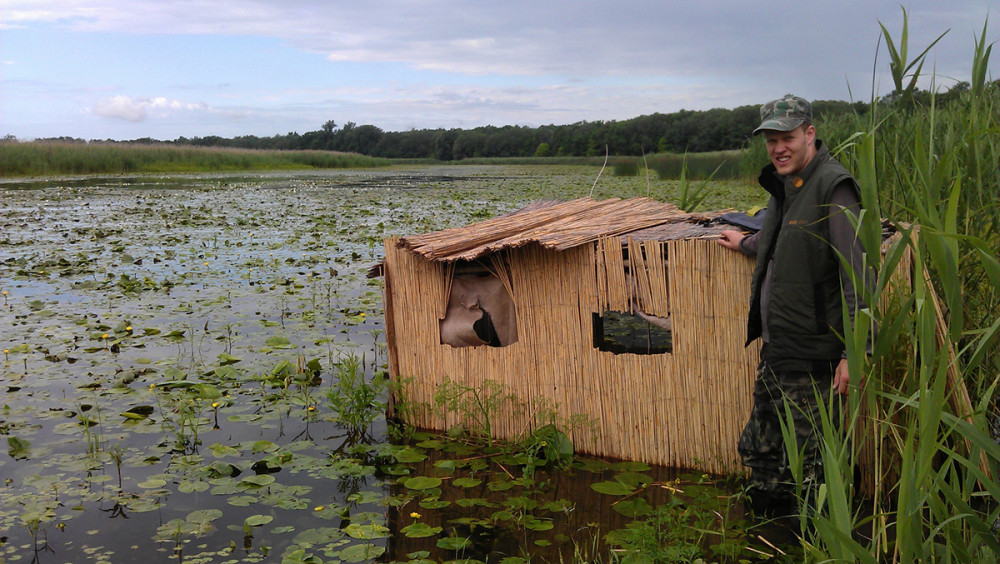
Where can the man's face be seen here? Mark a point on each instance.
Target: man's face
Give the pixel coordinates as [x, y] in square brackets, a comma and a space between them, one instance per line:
[791, 151]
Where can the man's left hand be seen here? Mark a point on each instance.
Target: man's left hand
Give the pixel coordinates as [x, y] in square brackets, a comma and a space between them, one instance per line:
[841, 377]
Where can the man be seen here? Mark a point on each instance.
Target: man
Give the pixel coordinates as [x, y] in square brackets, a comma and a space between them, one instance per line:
[796, 298]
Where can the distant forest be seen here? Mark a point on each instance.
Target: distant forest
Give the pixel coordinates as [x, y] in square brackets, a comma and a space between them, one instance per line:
[679, 132]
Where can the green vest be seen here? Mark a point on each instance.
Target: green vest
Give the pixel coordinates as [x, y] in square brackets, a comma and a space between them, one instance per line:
[805, 318]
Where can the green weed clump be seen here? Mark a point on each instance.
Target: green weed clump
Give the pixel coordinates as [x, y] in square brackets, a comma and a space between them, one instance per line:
[356, 400]
[57, 158]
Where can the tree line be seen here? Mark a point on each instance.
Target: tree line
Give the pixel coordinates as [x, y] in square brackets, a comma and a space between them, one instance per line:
[683, 131]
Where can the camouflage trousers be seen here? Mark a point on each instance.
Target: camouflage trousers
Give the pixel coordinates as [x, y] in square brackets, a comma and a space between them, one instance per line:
[762, 446]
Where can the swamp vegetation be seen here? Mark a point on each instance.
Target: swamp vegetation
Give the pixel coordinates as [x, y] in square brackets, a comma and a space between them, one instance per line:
[193, 372]
[192, 366]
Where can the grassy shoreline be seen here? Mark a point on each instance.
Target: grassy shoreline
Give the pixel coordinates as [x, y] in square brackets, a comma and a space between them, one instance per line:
[40, 159]
[49, 159]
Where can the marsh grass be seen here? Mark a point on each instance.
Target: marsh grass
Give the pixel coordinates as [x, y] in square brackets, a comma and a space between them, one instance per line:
[54, 158]
[673, 166]
[935, 495]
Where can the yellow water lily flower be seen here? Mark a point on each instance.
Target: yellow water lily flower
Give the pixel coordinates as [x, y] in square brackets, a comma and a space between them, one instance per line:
[415, 515]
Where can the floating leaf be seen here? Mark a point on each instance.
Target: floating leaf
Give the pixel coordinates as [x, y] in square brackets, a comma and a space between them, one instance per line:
[219, 468]
[264, 446]
[631, 466]
[634, 507]
[611, 488]
[410, 455]
[559, 505]
[361, 552]
[258, 481]
[206, 391]
[191, 486]
[537, 524]
[220, 450]
[421, 483]
[420, 530]
[300, 557]
[454, 543]
[434, 503]
[138, 412]
[474, 501]
[363, 497]
[446, 466]
[500, 485]
[367, 532]
[18, 447]
[203, 515]
[466, 482]
[634, 479]
[152, 483]
[278, 342]
[225, 359]
[257, 520]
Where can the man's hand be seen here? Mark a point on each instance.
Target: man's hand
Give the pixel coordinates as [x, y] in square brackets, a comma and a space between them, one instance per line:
[841, 377]
[730, 239]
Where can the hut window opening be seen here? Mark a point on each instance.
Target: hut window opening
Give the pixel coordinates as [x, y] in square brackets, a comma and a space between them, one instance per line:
[635, 317]
[621, 332]
[479, 304]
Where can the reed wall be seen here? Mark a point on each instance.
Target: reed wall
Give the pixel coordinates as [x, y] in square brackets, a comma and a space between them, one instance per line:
[682, 409]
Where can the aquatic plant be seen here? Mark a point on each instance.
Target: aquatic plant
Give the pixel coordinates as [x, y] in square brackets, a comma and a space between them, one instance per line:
[934, 494]
[354, 397]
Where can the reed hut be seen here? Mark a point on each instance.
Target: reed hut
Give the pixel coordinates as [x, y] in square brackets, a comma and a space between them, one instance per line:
[626, 313]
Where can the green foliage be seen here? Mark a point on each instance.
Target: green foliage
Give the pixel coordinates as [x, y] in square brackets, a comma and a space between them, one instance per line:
[935, 497]
[696, 166]
[670, 534]
[56, 158]
[354, 398]
[478, 406]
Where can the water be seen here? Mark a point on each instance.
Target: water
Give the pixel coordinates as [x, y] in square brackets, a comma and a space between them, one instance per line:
[163, 295]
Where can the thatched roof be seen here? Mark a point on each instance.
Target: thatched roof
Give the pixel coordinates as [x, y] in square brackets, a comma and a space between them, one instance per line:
[564, 225]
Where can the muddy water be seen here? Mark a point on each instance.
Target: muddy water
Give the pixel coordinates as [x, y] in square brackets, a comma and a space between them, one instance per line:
[146, 321]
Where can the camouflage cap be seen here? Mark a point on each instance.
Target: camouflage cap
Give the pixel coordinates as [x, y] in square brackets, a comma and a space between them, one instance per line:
[784, 114]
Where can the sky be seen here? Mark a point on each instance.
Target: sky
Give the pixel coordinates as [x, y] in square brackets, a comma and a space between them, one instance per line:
[130, 69]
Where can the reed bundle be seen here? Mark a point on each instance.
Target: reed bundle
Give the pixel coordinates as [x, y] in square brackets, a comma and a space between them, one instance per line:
[559, 226]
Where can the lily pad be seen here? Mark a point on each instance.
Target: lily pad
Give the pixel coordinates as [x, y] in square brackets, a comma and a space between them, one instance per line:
[421, 483]
[257, 520]
[634, 507]
[138, 412]
[361, 553]
[278, 342]
[611, 488]
[204, 515]
[454, 543]
[420, 530]
[367, 532]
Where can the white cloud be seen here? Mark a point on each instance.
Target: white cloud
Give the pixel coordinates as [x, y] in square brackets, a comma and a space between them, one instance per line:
[137, 109]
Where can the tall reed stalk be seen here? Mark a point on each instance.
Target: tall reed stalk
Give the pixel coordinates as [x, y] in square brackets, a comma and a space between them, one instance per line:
[932, 492]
